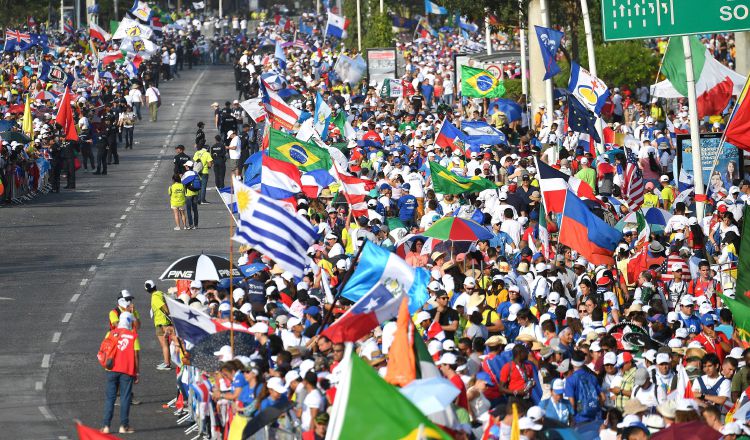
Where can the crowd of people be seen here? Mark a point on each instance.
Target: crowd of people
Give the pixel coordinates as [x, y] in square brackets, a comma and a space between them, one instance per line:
[533, 334]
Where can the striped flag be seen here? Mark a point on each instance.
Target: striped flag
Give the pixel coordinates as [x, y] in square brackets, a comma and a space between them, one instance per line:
[633, 186]
[268, 227]
[355, 190]
[280, 114]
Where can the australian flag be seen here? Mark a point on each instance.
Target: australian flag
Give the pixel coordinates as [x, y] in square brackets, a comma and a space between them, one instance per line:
[581, 119]
[16, 41]
[41, 40]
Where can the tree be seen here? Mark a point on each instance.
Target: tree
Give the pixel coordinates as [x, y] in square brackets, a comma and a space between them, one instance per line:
[618, 63]
[379, 32]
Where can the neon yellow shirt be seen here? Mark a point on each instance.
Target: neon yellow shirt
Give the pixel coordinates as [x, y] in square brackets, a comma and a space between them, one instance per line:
[177, 194]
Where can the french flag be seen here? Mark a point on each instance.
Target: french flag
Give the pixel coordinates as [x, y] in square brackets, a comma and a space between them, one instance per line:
[278, 179]
[375, 307]
[450, 136]
[586, 233]
[554, 185]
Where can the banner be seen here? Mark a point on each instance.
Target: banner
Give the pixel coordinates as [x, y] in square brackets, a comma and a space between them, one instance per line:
[350, 70]
[381, 64]
[549, 42]
[728, 167]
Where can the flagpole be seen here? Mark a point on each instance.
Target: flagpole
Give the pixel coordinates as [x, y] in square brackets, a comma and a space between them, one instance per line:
[340, 287]
[694, 127]
[592, 64]
[231, 270]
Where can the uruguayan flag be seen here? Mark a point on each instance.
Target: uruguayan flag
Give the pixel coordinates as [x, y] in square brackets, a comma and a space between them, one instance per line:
[267, 226]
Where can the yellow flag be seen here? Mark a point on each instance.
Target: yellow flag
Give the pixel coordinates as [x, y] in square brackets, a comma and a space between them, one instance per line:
[515, 430]
[28, 126]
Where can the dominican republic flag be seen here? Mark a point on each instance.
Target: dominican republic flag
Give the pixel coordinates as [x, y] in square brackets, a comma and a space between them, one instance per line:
[314, 181]
[554, 185]
[280, 114]
[378, 265]
[337, 25]
[450, 136]
[374, 308]
[98, 33]
[355, 190]
[190, 324]
[586, 233]
[278, 179]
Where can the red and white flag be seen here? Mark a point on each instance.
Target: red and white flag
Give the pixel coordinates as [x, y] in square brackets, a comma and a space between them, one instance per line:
[554, 185]
[355, 190]
[633, 186]
[98, 33]
[280, 114]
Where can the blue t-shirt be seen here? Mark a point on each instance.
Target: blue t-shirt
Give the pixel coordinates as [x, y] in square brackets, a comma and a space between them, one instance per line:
[560, 411]
[406, 206]
[240, 383]
[585, 389]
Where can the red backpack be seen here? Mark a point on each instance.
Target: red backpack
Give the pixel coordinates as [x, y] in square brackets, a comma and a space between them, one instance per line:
[108, 350]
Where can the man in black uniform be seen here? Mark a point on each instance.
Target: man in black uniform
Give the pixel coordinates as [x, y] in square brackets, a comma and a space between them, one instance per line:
[200, 135]
[55, 150]
[85, 144]
[68, 155]
[101, 151]
[109, 120]
[180, 159]
[247, 137]
[226, 121]
[219, 154]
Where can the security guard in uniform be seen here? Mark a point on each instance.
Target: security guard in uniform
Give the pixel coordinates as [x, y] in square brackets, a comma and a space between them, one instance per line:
[219, 154]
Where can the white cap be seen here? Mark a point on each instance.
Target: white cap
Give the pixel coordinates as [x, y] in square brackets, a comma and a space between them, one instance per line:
[677, 266]
[687, 300]
[224, 354]
[736, 353]
[629, 420]
[584, 161]
[540, 267]
[195, 284]
[277, 384]
[447, 359]
[662, 358]
[610, 358]
[291, 376]
[246, 308]
[470, 281]
[558, 384]
[527, 423]
[423, 316]
[595, 346]
[553, 298]
[513, 311]
[259, 327]
[681, 333]
[238, 294]
[671, 317]
[535, 413]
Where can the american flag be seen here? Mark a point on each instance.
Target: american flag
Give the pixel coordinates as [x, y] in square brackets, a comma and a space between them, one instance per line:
[633, 185]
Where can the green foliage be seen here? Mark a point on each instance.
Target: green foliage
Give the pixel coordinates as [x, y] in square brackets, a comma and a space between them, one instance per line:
[350, 11]
[624, 62]
[379, 32]
[15, 13]
[513, 89]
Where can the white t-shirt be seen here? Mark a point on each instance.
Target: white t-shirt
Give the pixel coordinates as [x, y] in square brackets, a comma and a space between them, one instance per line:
[234, 154]
[290, 340]
[314, 399]
[152, 94]
[723, 391]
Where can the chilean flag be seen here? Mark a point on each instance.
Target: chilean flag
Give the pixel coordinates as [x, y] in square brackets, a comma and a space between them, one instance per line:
[278, 179]
[377, 306]
[586, 233]
[554, 185]
[450, 136]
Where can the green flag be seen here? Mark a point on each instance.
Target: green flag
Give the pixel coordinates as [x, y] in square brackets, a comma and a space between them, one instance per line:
[673, 66]
[425, 366]
[113, 25]
[478, 83]
[743, 266]
[446, 182]
[366, 407]
[343, 124]
[740, 315]
[306, 155]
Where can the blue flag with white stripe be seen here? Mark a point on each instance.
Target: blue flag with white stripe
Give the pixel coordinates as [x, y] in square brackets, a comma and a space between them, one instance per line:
[267, 226]
[322, 116]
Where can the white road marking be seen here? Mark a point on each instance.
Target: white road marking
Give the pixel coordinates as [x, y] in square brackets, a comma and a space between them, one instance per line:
[45, 412]
[123, 217]
[39, 385]
[141, 187]
[100, 256]
[119, 225]
[112, 235]
[45, 360]
[84, 281]
[56, 337]
[132, 202]
[128, 208]
[67, 317]
[137, 194]
[107, 244]
[75, 297]
[145, 180]
[5, 298]
[92, 268]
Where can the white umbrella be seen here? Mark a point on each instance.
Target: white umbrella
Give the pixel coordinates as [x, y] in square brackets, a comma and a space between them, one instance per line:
[431, 395]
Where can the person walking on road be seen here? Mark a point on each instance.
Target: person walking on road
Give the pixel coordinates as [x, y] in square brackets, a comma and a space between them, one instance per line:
[177, 201]
[127, 124]
[153, 96]
[123, 374]
[161, 322]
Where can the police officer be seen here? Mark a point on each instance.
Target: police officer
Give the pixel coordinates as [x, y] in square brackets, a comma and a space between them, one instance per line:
[85, 144]
[226, 120]
[68, 155]
[200, 135]
[102, 149]
[219, 154]
[247, 138]
[110, 120]
[180, 159]
[55, 151]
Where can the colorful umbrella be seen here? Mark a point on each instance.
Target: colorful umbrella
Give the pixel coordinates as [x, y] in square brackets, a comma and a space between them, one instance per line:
[458, 229]
[656, 218]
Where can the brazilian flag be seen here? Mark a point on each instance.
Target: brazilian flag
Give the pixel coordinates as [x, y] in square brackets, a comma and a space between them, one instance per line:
[446, 182]
[478, 83]
[306, 155]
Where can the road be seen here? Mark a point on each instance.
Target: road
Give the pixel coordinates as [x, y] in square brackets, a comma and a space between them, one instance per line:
[66, 256]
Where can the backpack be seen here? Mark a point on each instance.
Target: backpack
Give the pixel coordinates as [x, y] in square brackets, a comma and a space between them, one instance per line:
[586, 395]
[108, 350]
[198, 166]
[195, 184]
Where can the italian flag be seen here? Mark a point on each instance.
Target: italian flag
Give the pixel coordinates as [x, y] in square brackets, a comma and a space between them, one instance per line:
[116, 56]
[714, 83]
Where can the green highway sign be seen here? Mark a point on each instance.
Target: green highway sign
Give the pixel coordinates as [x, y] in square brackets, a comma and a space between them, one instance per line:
[629, 19]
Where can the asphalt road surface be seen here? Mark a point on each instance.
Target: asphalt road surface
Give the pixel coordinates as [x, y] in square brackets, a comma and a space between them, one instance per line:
[65, 257]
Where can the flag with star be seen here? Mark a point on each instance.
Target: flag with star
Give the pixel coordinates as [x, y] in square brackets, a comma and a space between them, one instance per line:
[377, 306]
[307, 156]
[581, 119]
[190, 324]
[479, 83]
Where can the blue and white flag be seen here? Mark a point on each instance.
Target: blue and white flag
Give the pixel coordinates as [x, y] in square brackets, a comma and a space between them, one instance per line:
[336, 26]
[588, 89]
[280, 55]
[267, 226]
[322, 117]
[378, 265]
[190, 324]
[464, 24]
[480, 132]
[582, 120]
[229, 198]
[549, 42]
[432, 8]
[304, 28]
[141, 10]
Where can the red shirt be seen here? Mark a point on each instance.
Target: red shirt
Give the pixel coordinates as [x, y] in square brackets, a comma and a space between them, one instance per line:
[461, 400]
[713, 346]
[515, 378]
[125, 357]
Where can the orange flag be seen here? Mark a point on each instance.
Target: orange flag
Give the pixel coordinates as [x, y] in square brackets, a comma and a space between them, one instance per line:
[402, 368]
[86, 433]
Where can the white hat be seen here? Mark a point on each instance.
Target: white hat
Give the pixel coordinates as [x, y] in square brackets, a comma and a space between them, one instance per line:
[238, 294]
[447, 359]
[525, 423]
[572, 313]
[230, 132]
[291, 376]
[540, 267]
[449, 345]
[687, 300]
[671, 317]
[423, 316]
[584, 161]
[629, 420]
[558, 384]
[595, 346]
[553, 298]
[664, 178]
[731, 428]
[535, 413]
[470, 281]
[662, 358]
[277, 384]
[259, 327]
[434, 285]
[123, 302]
[246, 308]
[513, 311]
[675, 343]
[224, 307]
[681, 333]
[195, 284]
[224, 354]
[736, 353]
[610, 358]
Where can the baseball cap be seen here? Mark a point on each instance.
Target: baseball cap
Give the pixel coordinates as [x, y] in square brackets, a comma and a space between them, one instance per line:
[423, 316]
[259, 327]
[676, 267]
[312, 310]
[641, 377]
[277, 384]
[447, 359]
[293, 321]
[662, 358]
[610, 358]
[687, 301]
[558, 386]
[527, 423]
[708, 319]
[535, 413]
[663, 179]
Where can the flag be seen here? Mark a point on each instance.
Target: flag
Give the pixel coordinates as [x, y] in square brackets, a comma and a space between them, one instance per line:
[450, 137]
[16, 41]
[446, 182]
[515, 427]
[65, 118]
[374, 308]
[314, 181]
[87, 433]
[229, 198]
[581, 119]
[132, 28]
[740, 315]
[28, 122]
[278, 179]
[478, 83]
[586, 233]
[268, 227]
[68, 25]
[199, 5]
[549, 42]
[306, 156]
[336, 26]
[366, 406]
[554, 185]
[343, 124]
[378, 265]
[141, 10]
[40, 40]
[355, 190]
[114, 56]
[322, 116]
[714, 82]
[98, 33]
[190, 324]
[743, 265]
[432, 8]
[139, 46]
[587, 89]
[435, 331]
[480, 132]
[464, 24]
[509, 107]
[350, 70]
[633, 186]
[737, 131]
[254, 108]
[280, 55]
[403, 23]
[304, 28]
[280, 114]
[391, 88]
[402, 368]
[424, 29]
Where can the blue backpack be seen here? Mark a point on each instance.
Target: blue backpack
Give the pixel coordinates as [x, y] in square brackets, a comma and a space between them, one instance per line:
[587, 396]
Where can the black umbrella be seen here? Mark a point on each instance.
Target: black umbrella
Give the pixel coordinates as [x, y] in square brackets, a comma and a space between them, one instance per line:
[265, 418]
[202, 355]
[17, 136]
[200, 267]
